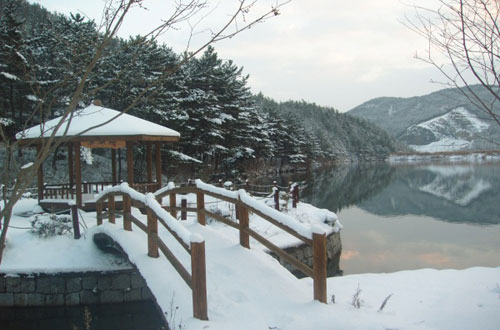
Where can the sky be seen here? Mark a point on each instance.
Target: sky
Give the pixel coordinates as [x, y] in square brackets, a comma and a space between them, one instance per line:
[334, 53]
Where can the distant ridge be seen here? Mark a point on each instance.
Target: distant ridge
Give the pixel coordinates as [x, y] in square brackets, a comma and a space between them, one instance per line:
[441, 121]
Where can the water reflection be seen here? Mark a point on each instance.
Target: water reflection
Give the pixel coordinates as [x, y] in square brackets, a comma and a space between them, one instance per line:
[455, 193]
[410, 217]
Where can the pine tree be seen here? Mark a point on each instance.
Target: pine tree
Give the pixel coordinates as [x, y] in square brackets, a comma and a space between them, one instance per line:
[16, 98]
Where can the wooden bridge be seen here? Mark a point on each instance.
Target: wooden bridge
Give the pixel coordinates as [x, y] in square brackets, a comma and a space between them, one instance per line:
[194, 244]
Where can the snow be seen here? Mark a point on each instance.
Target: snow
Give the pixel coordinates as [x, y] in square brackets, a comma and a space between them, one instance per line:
[92, 115]
[248, 289]
[9, 76]
[184, 157]
[150, 200]
[449, 129]
[27, 165]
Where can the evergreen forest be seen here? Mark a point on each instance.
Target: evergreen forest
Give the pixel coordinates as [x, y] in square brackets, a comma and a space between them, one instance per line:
[223, 126]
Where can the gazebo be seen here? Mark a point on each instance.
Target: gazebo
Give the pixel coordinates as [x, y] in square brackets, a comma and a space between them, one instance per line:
[115, 130]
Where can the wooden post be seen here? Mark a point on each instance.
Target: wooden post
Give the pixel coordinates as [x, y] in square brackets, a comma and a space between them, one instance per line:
[319, 267]
[158, 164]
[247, 186]
[130, 164]
[200, 205]
[173, 203]
[295, 196]
[39, 174]
[98, 207]
[111, 208]
[244, 223]
[78, 175]
[199, 280]
[127, 224]
[71, 168]
[183, 211]
[152, 230]
[276, 191]
[76, 223]
[149, 162]
[114, 177]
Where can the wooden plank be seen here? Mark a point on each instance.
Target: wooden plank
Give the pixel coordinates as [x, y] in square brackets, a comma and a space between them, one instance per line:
[98, 207]
[179, 190]
[114, 177]
[158, 163]
[180, 208]
[174, 261]
[173, 204]
[128, 138]
[244, 223]
[130, 164]
[127, 225]
[71, 173]
[218, 196]
[181, 242]
[137, 222]
[108, 144]
[298, 264]
[220, 218]
[111, 209]
[199, 281]
[152, 231]
[76, 223]
[149, 162]
[183, 209]
[200, 205]
[78, 175]
[319, 267]
[279, 225]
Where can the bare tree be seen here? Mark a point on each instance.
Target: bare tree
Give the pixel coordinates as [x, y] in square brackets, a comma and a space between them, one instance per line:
[464, 45]
[183, 13]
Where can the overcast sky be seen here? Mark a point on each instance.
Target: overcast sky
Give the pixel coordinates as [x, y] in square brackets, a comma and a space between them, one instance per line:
[332, 52]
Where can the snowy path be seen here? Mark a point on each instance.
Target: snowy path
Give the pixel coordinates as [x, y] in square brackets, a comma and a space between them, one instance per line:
[248, 289]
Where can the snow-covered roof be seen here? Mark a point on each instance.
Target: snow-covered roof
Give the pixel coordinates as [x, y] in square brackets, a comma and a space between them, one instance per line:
[125, 126]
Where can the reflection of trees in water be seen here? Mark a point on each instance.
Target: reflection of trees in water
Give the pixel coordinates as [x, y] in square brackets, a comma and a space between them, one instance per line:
[342, 186]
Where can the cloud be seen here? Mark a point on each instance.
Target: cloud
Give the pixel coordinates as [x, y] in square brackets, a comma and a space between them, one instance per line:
[336, 53]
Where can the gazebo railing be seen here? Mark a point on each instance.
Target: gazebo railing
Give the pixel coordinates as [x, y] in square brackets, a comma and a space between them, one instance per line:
[68, 191]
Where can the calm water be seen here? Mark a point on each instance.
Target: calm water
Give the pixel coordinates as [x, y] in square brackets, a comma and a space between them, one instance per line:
[409, 217]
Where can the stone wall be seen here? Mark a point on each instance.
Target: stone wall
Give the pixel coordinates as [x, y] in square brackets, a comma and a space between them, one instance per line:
[304, 253]
[69, 289]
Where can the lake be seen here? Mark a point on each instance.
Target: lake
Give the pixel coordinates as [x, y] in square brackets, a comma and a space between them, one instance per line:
[406, 217]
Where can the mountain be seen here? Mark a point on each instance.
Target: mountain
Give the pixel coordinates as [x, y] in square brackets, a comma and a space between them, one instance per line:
[338, 136]
[441, 121]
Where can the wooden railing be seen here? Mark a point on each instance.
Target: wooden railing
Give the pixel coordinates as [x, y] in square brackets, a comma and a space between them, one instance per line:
[192, 243]
[245, 204]
[66, 191]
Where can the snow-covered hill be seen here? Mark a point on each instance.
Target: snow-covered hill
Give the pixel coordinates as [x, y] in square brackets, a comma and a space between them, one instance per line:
[442, 121]
[455, 130]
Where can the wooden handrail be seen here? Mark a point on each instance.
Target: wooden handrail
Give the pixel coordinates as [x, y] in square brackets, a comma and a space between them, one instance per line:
[196, 247]
[316, 240]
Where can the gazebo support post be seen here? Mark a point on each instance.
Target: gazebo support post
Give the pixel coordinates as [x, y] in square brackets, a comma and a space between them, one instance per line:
[130, 163]
[158, 164]
[113, 167]
[39, 173]
[71, 168]
[78, 175]
[149, 162]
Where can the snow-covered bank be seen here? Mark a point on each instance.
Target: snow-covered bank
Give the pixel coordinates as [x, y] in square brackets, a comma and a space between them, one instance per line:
[445, 157]
[248, 289]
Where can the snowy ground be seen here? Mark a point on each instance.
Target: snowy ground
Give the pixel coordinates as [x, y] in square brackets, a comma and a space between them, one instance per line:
[248, 289]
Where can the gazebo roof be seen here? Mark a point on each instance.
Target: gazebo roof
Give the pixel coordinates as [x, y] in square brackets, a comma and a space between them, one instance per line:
[124, 127]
